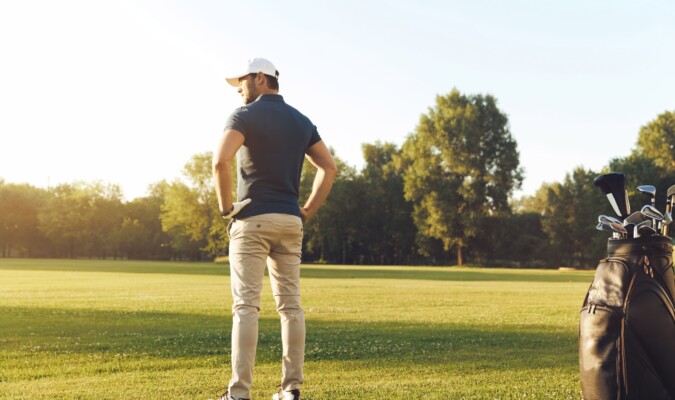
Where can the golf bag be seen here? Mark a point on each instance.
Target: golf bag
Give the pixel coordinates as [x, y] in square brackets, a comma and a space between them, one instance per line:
[627, 323]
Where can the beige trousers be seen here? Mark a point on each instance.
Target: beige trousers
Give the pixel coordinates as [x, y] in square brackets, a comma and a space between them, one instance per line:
[274, 240]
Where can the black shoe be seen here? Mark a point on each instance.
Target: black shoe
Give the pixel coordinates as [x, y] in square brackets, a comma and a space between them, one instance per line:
[284, 395]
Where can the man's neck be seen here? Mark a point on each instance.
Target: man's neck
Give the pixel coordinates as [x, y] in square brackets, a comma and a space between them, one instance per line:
[268, 91]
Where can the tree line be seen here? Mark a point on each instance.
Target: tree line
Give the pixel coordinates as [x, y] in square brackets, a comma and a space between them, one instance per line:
[445, 196]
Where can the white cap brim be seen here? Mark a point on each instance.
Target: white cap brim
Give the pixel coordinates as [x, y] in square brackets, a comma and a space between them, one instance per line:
[253, 65]
[234, 81]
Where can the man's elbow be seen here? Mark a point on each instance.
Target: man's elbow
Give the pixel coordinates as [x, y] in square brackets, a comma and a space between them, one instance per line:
[219, 165]
[331, 170]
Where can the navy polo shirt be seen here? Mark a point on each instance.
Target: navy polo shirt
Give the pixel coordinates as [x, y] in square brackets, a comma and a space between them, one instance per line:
[269, 164]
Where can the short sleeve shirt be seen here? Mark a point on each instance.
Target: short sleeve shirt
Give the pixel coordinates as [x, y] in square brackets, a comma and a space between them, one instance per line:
[269, 164]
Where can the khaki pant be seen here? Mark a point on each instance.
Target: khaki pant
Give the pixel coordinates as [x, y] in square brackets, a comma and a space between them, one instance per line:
[274, 240]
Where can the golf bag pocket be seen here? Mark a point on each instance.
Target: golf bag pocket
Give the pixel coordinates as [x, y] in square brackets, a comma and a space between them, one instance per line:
[627, 324]
[599, 352]
[600, 330]
[609, 285]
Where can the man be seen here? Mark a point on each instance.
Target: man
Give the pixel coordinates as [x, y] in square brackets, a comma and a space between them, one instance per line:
[271, 140]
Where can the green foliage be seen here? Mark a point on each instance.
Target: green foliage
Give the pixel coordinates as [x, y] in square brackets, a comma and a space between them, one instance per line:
[387, 227]
[365, 220]
[446, 190]
[642, 170]
[656, 141]
[146, 212]
[535, 204]
[83, 329]
[190, 213]
[330, 234]
[80, 218]
[19, 205]
[569, 220]
[515, 240]
[460, 165]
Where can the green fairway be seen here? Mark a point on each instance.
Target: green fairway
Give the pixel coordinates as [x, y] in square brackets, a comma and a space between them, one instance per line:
[87, 329]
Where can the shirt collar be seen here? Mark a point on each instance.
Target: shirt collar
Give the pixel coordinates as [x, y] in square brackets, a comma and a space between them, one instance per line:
[270, 97]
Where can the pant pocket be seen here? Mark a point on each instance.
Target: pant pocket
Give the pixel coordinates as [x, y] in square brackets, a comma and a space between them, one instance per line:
[229, 227]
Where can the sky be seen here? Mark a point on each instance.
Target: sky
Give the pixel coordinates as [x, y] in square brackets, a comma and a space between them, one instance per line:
[126, 92]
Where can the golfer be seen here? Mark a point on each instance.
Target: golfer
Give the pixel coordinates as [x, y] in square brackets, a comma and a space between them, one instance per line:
[271, 140]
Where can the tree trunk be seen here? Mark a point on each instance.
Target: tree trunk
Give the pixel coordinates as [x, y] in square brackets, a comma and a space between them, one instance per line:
[460, 261]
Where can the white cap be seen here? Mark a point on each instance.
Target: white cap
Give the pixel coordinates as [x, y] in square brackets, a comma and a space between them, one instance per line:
[252, 66]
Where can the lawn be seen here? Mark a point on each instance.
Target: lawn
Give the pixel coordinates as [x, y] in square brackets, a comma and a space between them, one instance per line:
[88, 329]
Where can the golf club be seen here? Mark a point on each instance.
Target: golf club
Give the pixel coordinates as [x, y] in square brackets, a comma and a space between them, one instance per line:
[618, 231]
[670, 196]
[613, 185]
[650, 191]
[653, 213]
[634, 218]
[643, 228]
[608, 219]
[667, 220]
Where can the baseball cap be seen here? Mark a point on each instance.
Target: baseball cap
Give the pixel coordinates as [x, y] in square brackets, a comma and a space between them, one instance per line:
[252, 66]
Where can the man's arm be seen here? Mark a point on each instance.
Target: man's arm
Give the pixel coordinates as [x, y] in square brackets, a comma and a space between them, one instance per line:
[321, 158]
[231, 141]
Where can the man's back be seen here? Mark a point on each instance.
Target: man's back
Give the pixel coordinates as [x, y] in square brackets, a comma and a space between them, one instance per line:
[269, 164]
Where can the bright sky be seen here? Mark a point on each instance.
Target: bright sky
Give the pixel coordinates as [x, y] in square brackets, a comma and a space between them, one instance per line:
[127, 91]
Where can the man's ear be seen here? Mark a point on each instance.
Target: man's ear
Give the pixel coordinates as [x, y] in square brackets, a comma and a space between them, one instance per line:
[260, 79]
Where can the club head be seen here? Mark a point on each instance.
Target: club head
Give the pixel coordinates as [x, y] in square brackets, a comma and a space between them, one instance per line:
[670, 198]
[649, 190]
[608, 219]
[640, 227]
[618, 228]
[630, 229]
[603, 227]
[652, 212]
[613, 185]
[667, 220]
[634, 218]
[612, 227]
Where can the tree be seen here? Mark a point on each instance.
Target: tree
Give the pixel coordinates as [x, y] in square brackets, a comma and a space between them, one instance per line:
[141, 236]
[331, 234]
[80, 218]
[656, 141]
[104, 214]
[642, 170]
[133, 239]
[511, 240]
[387, 227]
[570, 217]
[185, 220]
[190, 213]
[461, 164]
[19, 205]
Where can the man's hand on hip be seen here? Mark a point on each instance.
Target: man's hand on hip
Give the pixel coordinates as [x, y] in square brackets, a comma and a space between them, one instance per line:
[236, 207]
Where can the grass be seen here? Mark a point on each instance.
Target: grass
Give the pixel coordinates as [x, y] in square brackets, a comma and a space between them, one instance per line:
[86, 329]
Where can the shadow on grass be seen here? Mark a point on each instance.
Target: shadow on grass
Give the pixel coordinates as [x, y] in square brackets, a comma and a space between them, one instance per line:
[48, 334]
[308, 271]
